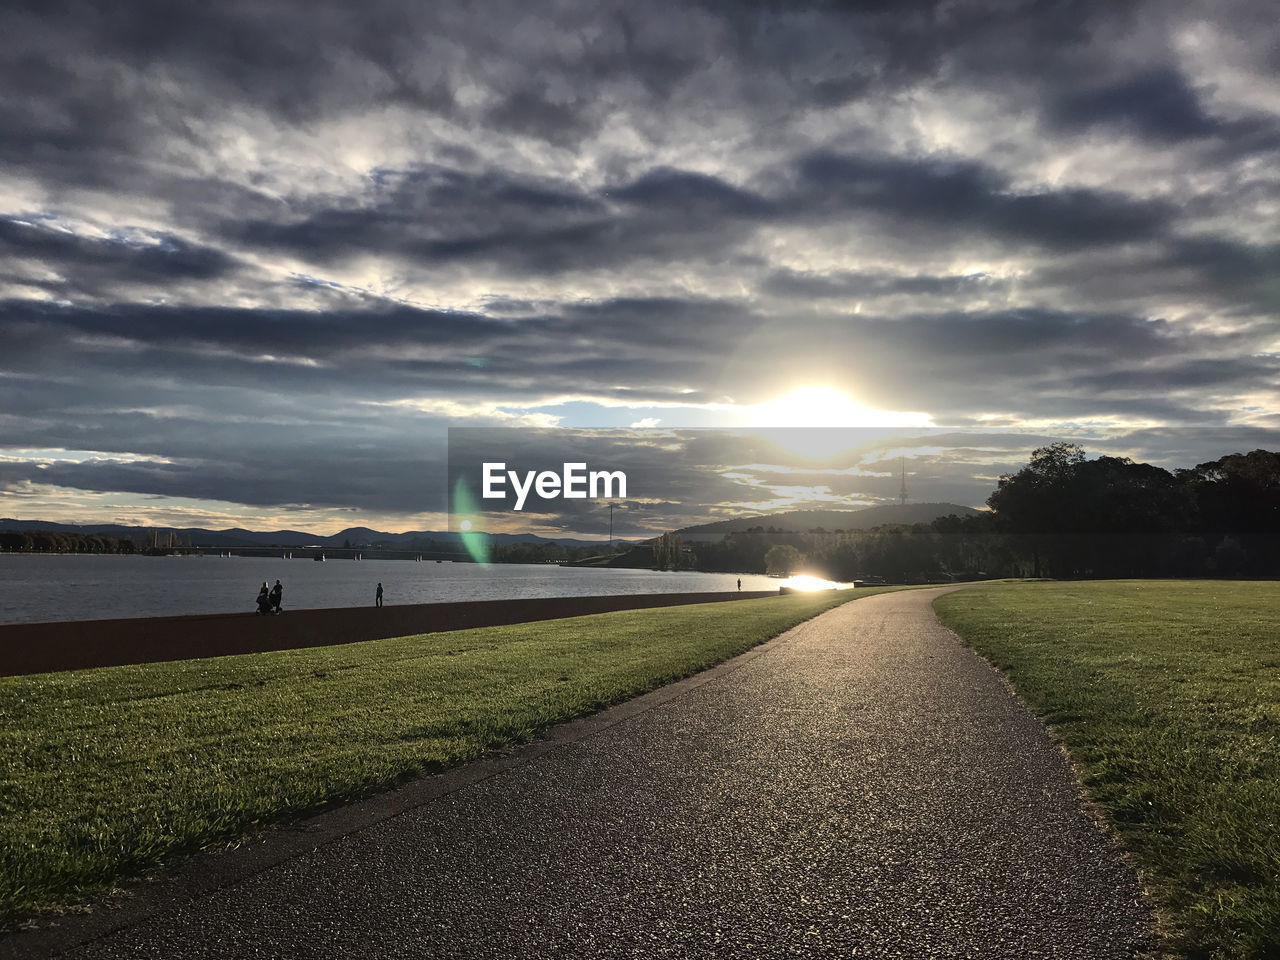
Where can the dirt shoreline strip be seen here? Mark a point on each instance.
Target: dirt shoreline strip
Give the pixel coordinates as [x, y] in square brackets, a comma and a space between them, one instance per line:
[82, 644]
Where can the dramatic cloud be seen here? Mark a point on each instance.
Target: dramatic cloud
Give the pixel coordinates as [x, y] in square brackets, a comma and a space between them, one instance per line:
[257, 257]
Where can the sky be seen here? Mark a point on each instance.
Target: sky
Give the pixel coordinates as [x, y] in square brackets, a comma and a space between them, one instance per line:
[256, 258]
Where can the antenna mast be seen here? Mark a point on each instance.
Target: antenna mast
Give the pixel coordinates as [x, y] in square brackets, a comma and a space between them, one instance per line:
[902, 494]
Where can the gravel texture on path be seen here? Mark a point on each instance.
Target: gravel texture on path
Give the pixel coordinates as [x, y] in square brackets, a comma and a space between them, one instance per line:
[863, 786]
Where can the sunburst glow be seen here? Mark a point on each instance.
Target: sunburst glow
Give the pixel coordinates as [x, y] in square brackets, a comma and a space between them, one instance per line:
[821, 406]
[806, 583]
[812, 421]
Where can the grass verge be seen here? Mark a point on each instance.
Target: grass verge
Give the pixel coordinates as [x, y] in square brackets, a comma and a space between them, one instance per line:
[106, 772]
[1167, 696]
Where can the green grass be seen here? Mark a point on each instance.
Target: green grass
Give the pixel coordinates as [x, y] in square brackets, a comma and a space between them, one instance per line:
[1167, 696]
[106, 772]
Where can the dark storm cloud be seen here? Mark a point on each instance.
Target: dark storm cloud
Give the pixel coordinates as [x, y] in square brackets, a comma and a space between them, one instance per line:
[967, 197]
[250, 331]
[682, 193]
[665, 215]
[1251, 270]
[438, 213]
[1233, 373]
[441, 215]
[1212, 272]
[378, 353]
[1043, 336]
[1157, 103]
[93, 265]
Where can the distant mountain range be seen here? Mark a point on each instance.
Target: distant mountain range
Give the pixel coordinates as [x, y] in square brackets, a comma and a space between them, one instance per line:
[796, 520]
[802, 520]
[236, 537]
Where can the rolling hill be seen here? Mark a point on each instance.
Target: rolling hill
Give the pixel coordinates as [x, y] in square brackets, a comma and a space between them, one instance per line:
[236, 537]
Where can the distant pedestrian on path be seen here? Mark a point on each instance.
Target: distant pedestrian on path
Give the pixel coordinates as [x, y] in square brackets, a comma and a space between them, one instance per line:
[277, 594]
[264, 599]
[378, 596]
[739, 584]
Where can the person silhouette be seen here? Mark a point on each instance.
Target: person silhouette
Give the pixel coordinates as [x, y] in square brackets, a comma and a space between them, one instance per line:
[264, 599]
[277, 593]
[739, 584]
[378, 596]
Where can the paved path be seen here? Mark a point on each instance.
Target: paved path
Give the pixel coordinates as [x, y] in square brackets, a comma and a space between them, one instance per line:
[861, 787]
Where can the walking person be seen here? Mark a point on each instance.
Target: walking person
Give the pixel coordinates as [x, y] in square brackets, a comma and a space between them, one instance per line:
[739, 584]
[277, 593]
[264, 599]
[377, 598]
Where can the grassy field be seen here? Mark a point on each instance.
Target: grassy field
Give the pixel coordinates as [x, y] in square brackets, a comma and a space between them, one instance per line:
[105, 772]
[1167, 695]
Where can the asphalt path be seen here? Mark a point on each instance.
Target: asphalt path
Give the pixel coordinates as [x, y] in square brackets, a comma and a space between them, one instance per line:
[862, 786]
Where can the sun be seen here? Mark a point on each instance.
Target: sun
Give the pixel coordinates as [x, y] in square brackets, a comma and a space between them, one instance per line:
[821, 406]
[833, 412]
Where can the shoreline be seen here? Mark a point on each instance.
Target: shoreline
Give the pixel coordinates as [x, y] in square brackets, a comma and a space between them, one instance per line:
[54, 646]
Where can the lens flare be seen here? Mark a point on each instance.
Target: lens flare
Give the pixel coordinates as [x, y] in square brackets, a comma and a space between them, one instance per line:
[463, 511]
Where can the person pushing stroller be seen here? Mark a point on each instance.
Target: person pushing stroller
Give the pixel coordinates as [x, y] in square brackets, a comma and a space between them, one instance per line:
[269, 599]
[264, 600]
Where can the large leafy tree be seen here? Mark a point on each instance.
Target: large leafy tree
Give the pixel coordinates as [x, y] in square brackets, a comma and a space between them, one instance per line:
[1080, 517]
[1033, 504]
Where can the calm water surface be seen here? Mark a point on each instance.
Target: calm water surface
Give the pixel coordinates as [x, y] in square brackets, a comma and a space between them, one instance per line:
[36, 587]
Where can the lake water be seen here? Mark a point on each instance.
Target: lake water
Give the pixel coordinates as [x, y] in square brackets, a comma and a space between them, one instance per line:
[34, 587]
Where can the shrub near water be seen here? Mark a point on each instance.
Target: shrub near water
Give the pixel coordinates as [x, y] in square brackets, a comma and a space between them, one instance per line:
[105, 771]
[1167, 695]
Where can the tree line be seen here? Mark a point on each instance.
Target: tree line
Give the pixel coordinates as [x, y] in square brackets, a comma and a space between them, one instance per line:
[1067, 516]
[49, 541]
[1062, 515]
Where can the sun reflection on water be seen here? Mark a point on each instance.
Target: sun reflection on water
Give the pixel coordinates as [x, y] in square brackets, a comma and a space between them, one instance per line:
[802, 581]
